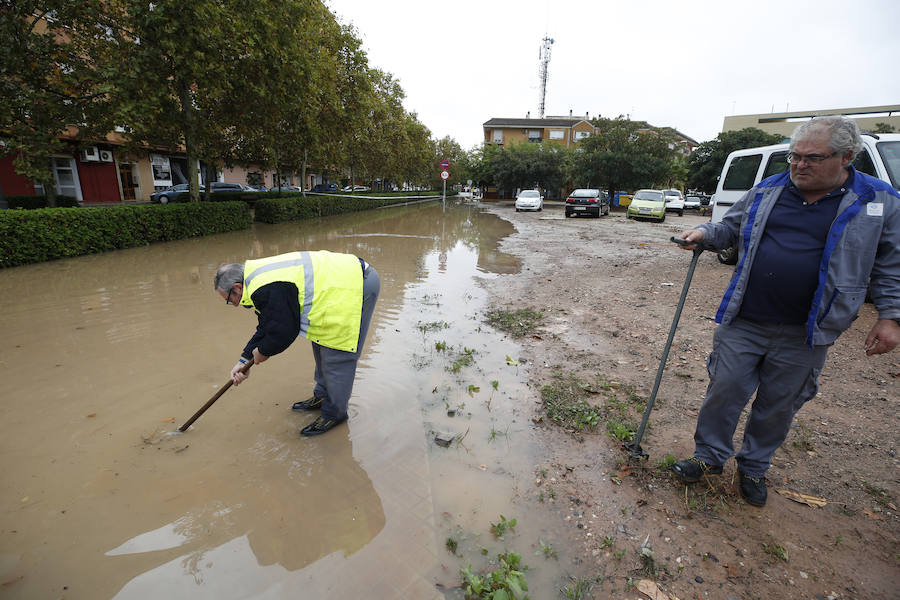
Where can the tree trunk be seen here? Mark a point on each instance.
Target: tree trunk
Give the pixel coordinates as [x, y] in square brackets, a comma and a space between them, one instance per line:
[303, 174]
[50, 188]
[188, 118]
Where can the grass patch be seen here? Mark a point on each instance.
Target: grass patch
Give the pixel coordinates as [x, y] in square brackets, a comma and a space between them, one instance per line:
[565, 403]
[517, 323]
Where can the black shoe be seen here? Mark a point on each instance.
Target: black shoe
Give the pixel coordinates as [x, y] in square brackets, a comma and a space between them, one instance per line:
[753, 489]
[693, 469]
[319, 426]
[314, 403]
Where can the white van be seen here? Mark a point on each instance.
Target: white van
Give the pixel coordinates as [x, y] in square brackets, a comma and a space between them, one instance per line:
[743, 169]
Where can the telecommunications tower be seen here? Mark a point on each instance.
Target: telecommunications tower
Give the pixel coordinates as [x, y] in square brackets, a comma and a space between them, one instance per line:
[544, 56]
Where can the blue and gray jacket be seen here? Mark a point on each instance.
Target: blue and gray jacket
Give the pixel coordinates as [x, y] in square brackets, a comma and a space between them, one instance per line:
[863, 249]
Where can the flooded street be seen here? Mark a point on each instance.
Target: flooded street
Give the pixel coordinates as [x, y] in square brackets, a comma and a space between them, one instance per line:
[106, 355]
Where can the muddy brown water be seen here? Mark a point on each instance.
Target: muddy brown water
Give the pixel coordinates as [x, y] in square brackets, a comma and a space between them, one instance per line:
[105, 356]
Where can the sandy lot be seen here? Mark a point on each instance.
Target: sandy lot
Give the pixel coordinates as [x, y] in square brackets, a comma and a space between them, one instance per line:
[607, 289]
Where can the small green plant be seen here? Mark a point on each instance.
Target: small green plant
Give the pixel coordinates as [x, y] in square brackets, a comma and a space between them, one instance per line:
[426, 328]
[440, 346]
[507, 582]
[579, 589]
[499, 528]
[541, 497]
[775, 550]
[565, 403]
[623, 432]
[648, 563]
[495, 384]
[607, 542]
[547, 550]
[451, 545]
[838, 540]
[666, 463]
[473, 389]
[463, 359]
[619, 554]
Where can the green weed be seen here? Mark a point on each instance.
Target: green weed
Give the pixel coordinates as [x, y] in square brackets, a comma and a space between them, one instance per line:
[666, 463]
[579, 589]
[426, 328]
[775, 550]
[440, 346]
[517, 323]
[624, 432]
[501, 527]
[451, 545]
[507, 582]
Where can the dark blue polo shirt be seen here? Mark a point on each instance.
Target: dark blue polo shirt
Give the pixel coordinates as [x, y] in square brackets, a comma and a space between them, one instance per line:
[785, 272]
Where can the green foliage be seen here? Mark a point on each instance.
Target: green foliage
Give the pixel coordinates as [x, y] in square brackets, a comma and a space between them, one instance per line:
[451, 545]
[706, 161]
[518, 323]
[621, 431]
[282, 210]
[547, 550]
[624, 154]
[50, 233]
[507, 582]
[524, 165]
[499, 528]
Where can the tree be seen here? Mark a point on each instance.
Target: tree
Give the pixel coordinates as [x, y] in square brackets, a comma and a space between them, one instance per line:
[524, 165]
[706, 161]
[49, 83]
[883, 128]
[624, 154]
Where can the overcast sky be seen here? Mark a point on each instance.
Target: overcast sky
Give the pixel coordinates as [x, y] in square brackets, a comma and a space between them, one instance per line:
[680, 64]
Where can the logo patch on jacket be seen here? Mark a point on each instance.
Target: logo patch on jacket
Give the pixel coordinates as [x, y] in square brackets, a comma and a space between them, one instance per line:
[875, 210]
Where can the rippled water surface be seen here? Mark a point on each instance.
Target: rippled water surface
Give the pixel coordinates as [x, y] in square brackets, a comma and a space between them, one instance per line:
[105, 356]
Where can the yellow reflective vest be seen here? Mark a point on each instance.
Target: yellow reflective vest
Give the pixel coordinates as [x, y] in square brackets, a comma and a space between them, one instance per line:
[330, 293]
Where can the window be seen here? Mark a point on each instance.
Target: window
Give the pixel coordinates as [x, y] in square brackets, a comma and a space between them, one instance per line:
[498, 136]
[534, 135]
[66, 176]
[580, 135]
[741, 172]
[777, 164]
[162, 171]
[890, 155]
[557, 134]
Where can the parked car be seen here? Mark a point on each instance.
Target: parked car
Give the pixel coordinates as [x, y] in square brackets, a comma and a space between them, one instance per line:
[171, 194]
[647, 204]
[529, 200]
[355, 188]
[743, 169]
[222, 186]
[674, 201]
[592, 202]
[325, 187]
[285, 188]
[692, 202]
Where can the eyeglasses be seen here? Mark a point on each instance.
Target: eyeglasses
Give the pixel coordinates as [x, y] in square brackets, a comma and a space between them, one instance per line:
[228, 297]
[811, 159]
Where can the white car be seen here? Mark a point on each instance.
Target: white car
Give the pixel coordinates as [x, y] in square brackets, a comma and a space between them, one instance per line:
[692, 202]
[529, 200]
[674, 202]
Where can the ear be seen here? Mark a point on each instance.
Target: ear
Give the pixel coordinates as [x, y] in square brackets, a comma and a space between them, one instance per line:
[847, 159]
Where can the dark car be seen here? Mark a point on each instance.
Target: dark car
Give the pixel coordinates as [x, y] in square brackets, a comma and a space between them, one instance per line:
[587, 202]
[171, 194]
[221, 186]
[325, 187]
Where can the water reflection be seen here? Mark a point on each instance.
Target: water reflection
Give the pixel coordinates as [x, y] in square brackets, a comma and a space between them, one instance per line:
[105, 355]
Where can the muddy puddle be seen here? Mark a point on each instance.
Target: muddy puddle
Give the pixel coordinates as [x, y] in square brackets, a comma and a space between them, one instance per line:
[105, 356]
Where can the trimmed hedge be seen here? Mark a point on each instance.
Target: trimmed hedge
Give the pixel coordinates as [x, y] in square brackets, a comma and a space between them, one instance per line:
[282, 210]
[33, 202]
[29, 236]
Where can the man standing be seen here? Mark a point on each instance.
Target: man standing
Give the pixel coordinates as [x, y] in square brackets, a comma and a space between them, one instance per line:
[327, 298]
[809, 242]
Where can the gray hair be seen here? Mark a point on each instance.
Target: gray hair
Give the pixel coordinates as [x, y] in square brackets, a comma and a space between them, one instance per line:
[228, 275]
[842, 131]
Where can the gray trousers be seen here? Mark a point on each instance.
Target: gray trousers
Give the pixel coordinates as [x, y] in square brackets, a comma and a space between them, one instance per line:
[336, 369]
[774, 361]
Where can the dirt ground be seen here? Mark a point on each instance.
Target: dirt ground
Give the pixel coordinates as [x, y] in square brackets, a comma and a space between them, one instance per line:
[607, 289]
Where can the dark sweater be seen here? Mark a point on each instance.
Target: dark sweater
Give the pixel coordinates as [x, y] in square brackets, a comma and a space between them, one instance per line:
[278, 325]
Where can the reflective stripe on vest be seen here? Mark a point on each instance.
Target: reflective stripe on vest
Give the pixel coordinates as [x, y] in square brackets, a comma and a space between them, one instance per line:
[329, 288]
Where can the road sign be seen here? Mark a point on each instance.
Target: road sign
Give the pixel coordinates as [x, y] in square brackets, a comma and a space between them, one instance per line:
[445, 164]
[445, 175]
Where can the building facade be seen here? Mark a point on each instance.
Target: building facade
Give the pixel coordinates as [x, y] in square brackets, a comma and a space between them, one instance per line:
[867, 117]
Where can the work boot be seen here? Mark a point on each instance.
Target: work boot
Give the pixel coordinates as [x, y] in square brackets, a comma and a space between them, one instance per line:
[314, 403]
[753, 489]
[320, 426]
[693, 469]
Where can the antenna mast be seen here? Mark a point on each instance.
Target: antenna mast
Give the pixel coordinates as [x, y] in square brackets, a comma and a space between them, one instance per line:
[544, 56]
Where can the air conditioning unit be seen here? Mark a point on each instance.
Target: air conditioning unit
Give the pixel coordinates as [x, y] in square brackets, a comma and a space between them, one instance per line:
[90, 154]
[106, 156]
